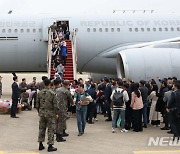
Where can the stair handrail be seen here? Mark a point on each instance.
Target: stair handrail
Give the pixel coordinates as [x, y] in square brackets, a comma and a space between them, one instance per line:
[74, 53]
[49, 52]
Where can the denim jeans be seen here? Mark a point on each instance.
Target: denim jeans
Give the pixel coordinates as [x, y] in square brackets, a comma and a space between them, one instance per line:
[118, 113]
[81, 118]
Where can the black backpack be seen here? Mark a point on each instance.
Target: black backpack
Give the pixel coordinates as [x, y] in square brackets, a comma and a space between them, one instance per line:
[118, 98]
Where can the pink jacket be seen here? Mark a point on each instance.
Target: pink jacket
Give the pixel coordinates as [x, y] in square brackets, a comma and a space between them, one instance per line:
[136, 102]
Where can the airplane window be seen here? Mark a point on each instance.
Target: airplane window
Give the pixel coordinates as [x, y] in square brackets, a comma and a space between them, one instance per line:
[40, 30]
[154, 29]
[118, 29]
[148, 29]
[9, 30]
[160, 29]
[94, 29]
[100, 29]
[166, 29]
[142, 29]
[178, 29]
[136, 29]
[22, 30]
[112, 29]
[172, 29]
[15, 30]
[3, 30]
[130, 29]
[28, 30]
[106, 29]
[88, 30]
[34, 30]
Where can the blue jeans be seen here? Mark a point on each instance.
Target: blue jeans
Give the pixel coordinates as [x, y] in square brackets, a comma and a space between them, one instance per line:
[118, 113]
[81, 118]
[145, 114]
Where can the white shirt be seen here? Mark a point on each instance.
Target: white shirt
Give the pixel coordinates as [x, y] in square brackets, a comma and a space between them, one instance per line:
[125, 95]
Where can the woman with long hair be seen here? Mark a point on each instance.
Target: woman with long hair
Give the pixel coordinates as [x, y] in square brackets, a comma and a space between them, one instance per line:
[137, 106]
[154, 116]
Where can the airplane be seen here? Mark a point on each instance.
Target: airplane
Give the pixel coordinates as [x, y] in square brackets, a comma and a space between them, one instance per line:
[129, 44]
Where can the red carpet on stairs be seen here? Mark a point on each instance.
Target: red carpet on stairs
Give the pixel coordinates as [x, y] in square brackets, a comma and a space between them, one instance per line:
[68, 75]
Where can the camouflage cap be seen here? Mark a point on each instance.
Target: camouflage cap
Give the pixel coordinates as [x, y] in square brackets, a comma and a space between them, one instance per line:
[66, 82]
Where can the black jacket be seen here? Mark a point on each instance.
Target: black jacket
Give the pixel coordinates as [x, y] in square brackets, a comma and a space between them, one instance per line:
[174, 101]
[160, 105]
[15, 91]
[144, 93]
[92, 93]
[107, 92]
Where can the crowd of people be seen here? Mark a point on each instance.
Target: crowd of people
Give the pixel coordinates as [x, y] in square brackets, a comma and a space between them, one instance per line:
[134, 105]
[127, 104]
[59, 50]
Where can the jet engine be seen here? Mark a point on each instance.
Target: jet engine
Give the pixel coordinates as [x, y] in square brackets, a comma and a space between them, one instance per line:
[147, 63]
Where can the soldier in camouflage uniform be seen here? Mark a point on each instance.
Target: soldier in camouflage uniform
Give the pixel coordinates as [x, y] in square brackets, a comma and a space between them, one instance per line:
[24, 100]
[23, 86]
[41, 84]
[47, 109]
[63, 96]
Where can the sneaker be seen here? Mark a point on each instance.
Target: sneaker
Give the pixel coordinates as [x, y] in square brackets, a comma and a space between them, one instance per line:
[124, 130]
[113, 130]
[95, 119]
[145, 126]
[80, 134]
[165, 128]
[108, 119]
[90, 122]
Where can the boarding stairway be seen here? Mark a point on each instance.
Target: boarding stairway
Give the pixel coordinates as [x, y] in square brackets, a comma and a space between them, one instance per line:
[70, 67]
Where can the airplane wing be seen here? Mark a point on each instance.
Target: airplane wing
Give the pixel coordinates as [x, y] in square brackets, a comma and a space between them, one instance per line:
[167, 43]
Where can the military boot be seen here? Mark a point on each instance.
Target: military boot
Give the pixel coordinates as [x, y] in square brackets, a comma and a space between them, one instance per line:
[51, 148]
[65, 134]
[59, 138]
[41, 146]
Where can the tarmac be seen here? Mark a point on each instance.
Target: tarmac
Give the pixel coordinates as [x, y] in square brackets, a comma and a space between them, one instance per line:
[19, 136]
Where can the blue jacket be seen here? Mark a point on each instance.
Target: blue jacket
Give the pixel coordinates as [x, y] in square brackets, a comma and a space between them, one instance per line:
[64, 51]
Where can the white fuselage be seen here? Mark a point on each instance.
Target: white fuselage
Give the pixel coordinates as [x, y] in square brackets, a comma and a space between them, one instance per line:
[23, 39]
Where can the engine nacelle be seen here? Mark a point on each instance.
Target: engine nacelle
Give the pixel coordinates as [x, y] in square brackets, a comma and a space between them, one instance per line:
[147, 63]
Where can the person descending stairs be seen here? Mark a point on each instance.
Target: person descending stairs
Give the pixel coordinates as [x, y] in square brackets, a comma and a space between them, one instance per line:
[68, 74]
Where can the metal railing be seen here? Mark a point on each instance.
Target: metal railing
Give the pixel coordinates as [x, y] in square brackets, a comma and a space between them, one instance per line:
[49, 52]
[74, 53]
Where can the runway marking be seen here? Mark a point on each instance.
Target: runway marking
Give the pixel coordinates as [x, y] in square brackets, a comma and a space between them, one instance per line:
[158, 152]
[20, 153]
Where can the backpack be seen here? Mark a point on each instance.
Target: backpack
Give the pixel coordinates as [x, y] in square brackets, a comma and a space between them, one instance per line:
[118, 98]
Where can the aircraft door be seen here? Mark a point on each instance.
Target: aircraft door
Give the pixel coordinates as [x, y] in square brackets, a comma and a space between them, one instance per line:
[61, 24]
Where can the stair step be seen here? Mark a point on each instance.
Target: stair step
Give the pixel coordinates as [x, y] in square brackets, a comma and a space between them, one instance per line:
[69, 71]
[68, 75]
